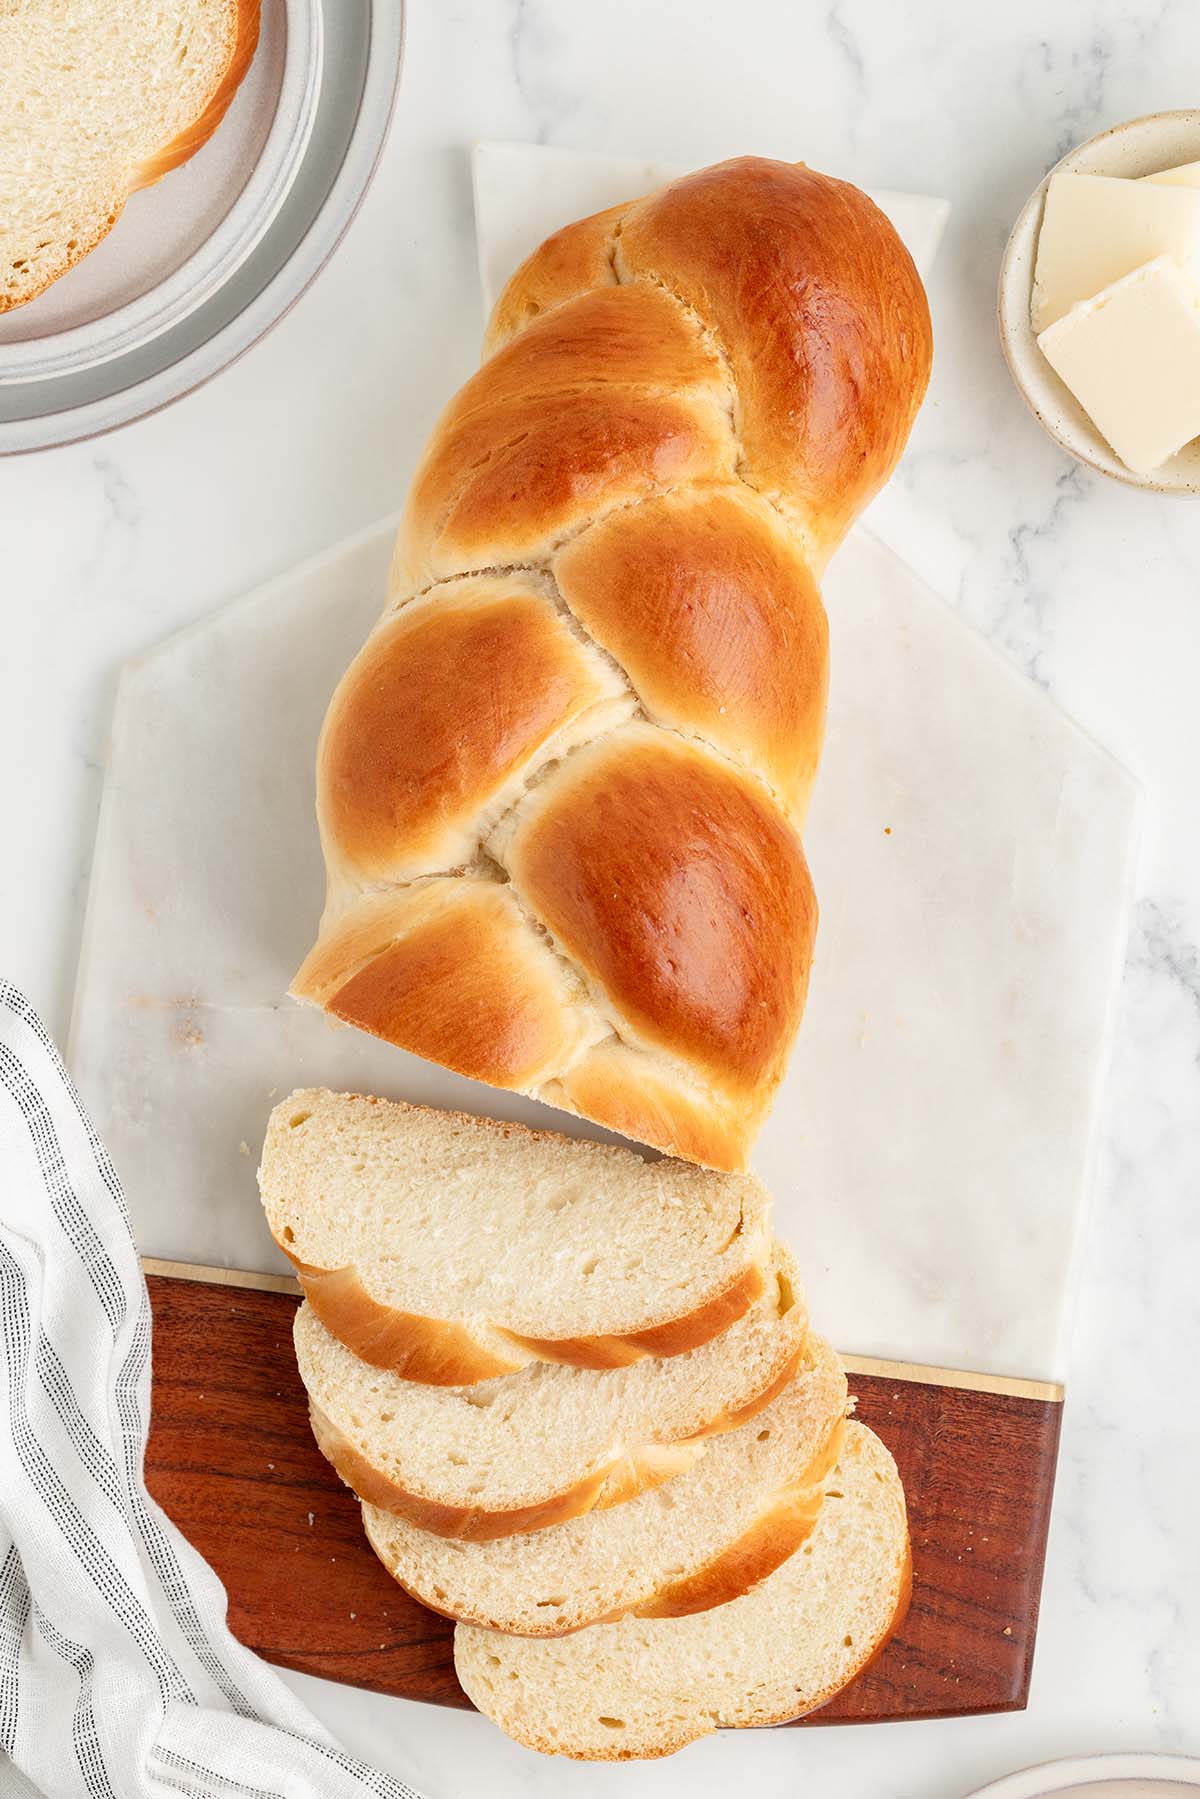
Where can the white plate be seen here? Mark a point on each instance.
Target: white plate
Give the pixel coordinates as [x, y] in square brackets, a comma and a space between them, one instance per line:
[1139, 147]
[177, 241]
[201, 265]
[1102, 1777]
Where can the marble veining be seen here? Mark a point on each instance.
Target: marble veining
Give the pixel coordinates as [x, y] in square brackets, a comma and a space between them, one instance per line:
[305, 441]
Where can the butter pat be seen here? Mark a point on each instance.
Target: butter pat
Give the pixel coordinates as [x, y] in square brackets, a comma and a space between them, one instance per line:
[1184, 174]
[1096, 228]
[1131, 357]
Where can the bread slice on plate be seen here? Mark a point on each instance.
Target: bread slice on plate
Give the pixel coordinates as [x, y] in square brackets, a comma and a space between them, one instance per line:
[454, 1249]
[646, 1686]
[95, 102]
[549, 1442]
[698, 1541]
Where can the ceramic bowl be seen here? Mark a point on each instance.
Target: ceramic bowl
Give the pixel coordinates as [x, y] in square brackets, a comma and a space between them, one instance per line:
[1140, 147]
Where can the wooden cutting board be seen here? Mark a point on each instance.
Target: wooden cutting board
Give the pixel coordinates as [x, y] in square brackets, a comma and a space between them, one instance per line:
[232, 1460]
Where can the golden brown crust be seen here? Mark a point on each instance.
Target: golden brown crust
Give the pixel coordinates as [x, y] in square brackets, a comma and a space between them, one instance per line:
[610, 1484]
[690, 398]
[568, 464]
[442, 1353]
[571, 261]
[776, 1534]
[612, 337]
[448, 970]
[443, 705]
[676, 1337]
[707, 1321]
[820, 311]
[610, 398]
[627, 1473]
[720, 628]
[434, 1351]
[650, 1465]
[662, 873]
[649, 1102]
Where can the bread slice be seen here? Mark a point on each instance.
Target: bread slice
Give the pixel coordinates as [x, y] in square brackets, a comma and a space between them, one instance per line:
[97, 100]
[646, 1686]
[547, 1443]
[698, 1541]
[453, 1249]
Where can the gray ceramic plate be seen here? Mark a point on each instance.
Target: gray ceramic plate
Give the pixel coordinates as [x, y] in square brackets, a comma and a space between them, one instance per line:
[201, 265]
[1103, 1777]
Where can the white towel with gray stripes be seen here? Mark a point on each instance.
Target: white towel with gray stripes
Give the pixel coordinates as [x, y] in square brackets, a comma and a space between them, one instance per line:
[118, 1676]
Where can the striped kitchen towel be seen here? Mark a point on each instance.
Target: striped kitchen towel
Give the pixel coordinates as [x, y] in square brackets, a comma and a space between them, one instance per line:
[118, 1676]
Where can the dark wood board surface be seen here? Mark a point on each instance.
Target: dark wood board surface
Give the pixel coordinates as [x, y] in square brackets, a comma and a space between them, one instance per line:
[232, 1461]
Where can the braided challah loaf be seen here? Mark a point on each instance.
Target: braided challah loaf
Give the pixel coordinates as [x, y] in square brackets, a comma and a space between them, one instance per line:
[560, 788]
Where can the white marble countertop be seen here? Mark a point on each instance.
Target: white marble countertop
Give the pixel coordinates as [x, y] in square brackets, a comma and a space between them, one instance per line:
[1091, 587]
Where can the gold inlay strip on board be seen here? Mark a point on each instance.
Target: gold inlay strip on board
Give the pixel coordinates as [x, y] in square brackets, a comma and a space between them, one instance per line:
[970, 1379]
[221, 1277]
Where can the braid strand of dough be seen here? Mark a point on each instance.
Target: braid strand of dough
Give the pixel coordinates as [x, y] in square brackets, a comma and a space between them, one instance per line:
[560, 789]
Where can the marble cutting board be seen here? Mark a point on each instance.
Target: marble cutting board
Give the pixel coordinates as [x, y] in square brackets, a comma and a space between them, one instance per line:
[972, 850]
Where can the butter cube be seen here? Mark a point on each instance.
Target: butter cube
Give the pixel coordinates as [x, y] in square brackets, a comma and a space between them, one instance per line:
[1096, 228]
[1131, 357]
[1184, 174]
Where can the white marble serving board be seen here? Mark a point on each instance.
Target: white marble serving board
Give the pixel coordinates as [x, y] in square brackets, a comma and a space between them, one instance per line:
[972, 849]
